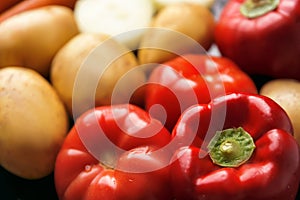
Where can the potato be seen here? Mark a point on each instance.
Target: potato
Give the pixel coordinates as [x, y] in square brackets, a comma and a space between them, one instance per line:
[162, 3]
[176, 29]
[91, 66]
[32, 38]
[286, 92]
[124, 20]
[33, 123]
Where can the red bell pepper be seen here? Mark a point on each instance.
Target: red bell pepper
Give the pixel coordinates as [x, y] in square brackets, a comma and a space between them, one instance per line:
[112, 152]
[245, 150]
[261, 36]
[191, 79]
[4, 5]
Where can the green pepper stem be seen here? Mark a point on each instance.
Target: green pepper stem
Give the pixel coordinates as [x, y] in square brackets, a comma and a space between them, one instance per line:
[260, 2]
[231, 147]
[256, 8]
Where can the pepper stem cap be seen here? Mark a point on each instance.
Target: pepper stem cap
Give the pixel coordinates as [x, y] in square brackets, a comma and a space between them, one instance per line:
[256, 8]
[231, 147]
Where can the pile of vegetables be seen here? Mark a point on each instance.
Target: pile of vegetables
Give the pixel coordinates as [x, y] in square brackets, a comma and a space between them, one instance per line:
[151, 99]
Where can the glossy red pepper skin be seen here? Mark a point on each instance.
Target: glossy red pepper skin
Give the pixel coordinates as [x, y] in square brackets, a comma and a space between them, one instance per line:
[266, 45]
[273, 170]
[192, 79]
[89, 168]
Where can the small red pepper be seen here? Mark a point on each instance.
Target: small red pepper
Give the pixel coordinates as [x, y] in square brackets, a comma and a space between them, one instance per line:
[245, 150]
[112, 153]
[261, 36]
[191, 79]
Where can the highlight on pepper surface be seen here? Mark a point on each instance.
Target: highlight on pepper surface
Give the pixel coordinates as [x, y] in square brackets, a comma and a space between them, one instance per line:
[100, 62]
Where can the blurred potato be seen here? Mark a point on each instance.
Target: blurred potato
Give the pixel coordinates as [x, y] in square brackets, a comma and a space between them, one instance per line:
[286, 92]
[177, 29]
[32, 38]
[93, 70]
[33, 123]
[162, 3]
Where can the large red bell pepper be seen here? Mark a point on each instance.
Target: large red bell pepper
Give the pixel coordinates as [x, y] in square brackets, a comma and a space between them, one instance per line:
[261, 36]
[113, 153]
[244, 150]
[191, 79]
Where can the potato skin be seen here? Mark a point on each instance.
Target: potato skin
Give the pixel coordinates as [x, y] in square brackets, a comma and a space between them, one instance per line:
[70, 59]
[67, 62]
[33, 123]
[163, 3]
[195, 22]
[286, 92]
[32, 38]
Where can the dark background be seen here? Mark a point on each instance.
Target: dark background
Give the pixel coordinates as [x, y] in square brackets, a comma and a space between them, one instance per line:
[15, 188]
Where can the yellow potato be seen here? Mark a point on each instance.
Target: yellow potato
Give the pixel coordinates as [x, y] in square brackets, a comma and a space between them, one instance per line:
[32, 38]
[176, 29]
[92, 66]
[286, 92]
[162, 3]
[33, 123]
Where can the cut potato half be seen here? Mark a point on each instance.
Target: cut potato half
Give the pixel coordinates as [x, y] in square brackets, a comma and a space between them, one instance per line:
[114, 17]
